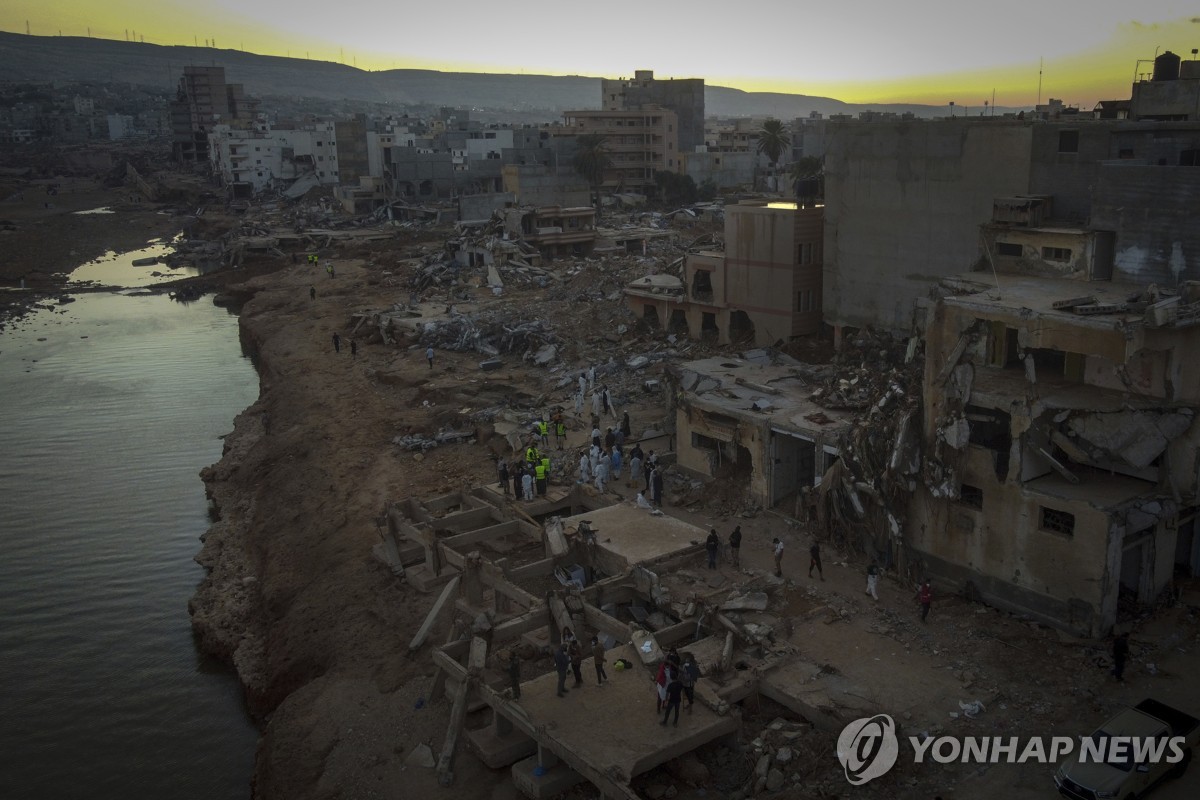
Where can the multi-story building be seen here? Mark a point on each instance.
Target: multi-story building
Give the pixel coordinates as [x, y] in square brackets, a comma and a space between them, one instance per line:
[203, 100]
[638, 142]
[685, 97]
[764, 288]
[249, 160]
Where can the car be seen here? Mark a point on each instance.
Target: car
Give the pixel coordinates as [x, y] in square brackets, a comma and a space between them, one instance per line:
[1121, 774]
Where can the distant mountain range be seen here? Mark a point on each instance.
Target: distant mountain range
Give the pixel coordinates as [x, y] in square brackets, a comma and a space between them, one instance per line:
[73, 58]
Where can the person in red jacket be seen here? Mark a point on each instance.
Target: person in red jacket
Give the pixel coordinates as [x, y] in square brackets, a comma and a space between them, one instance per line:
[925, 598]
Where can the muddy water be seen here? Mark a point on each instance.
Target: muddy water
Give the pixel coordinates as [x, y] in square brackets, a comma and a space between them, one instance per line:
[103, 428]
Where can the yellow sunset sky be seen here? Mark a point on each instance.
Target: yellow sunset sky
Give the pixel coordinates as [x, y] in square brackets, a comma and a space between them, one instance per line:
[925, 51]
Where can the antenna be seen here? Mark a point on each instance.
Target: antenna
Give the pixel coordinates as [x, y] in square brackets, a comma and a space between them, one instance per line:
[993, 101]
[26, 27]
[1040, 62]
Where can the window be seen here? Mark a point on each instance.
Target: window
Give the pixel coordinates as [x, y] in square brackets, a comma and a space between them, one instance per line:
[804, 253]
[804, 300]
[1009, 249]
[1189, 158]
[970, 496]
[1125, 152]
[1055, 521]
[1056, 253]
[320, 158]
[318, 144]
[1068, 141]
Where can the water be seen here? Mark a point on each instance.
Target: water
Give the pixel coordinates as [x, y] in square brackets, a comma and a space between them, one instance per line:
[117, 269]
[102, 692]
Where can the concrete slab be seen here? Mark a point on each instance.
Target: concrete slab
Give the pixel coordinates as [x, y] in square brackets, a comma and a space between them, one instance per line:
[556, 780]
[423, 579]
[500, 751]
[614, 727]
[628, 535]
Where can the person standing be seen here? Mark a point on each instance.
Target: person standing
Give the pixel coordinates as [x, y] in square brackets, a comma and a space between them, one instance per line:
[626, 428]
[541, 476]
[502, 474]
[735, 546]
[576, 654]
[925, 598]
[777, 550]
[656, 486]
[429, 356]
[1120, 654]
[688, 675]
[601, 470]
[582, 385]
[584, 471]
[591, 377]
[711, 545]
[312, 293]
[674, 695]
[660, 686]
[527, 483]
[543, 432]
[615, 461]
[561, 661]
[873, 580]
[596, 404]
[814, 560]
[354, 348]
[560, 429]
[337, 343]
[635, 466]
[516, 479]
[598, 658]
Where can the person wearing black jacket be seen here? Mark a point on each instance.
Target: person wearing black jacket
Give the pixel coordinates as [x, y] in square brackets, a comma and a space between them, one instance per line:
[735, 546]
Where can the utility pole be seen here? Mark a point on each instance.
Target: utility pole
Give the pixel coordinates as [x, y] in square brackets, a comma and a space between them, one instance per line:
[1040, 63]
[27, 27]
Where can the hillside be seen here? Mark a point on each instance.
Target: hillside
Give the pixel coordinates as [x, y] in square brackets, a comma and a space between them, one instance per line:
[73, 58]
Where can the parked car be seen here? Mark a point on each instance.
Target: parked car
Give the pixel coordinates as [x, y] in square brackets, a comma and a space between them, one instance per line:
[1124, 778]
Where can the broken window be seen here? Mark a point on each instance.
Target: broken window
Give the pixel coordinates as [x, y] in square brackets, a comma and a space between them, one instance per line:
[1068, 141]
[702, 285]
[970, 496]
[1055, 521]
[741, 329]
[1056, 253]
[708, 327]
[1009, 249]
[991, 429]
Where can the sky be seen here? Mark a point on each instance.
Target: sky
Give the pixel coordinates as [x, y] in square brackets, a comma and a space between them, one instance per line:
[922, 51]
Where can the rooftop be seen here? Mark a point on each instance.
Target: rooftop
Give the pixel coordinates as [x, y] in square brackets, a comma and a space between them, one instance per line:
[1014, 293]
[775, 392]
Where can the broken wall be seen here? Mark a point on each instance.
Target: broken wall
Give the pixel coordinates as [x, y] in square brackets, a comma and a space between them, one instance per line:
[904, 203]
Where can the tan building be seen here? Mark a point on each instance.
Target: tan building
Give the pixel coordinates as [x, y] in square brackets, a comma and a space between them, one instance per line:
[639, 142]
[765, 288]
[1060, 440]
[751, 420]
[554, 230]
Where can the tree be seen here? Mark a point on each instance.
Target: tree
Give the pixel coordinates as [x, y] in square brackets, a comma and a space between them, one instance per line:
[806, 176]
[773, 139]
[591, 159]
[675, 189]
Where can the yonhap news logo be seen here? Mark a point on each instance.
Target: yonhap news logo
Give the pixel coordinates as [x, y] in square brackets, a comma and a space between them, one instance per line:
[868, 748]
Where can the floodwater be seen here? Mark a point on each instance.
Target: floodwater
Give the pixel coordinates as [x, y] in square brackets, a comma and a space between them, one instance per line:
[117, 269]
[105, 426]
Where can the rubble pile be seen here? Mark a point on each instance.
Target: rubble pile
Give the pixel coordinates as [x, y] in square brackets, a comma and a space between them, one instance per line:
[862, 498]
[492, 333]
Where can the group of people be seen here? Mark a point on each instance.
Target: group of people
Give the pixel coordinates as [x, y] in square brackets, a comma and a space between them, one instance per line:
[676, 679]
[530, 476]
[569, 655]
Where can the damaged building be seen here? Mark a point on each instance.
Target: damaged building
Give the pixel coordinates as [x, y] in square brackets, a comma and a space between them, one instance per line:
[750, 421]
[763, 289]
[1060, 463]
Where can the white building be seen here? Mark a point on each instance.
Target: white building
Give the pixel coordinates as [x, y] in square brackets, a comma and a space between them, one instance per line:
[256, 158]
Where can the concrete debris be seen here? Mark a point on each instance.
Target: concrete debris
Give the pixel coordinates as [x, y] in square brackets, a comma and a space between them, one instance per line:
[1134, 437]
[421, 756]
[751, 601]
[422, 443]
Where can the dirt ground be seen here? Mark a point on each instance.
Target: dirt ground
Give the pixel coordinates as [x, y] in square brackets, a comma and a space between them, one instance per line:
[318, 629]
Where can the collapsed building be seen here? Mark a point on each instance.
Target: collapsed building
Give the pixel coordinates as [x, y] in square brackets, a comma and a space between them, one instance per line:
[1061, 448]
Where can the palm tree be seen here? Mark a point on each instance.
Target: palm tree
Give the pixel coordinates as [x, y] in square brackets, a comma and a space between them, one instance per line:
[773, 139]
[806, 175]
[591, 159]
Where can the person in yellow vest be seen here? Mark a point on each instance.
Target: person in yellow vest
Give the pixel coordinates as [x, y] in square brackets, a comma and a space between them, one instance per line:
[560, 429]
[532, 455]
[543, 432]
[540, 473]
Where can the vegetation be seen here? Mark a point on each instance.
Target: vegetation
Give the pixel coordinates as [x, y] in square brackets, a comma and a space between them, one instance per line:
[591, 159]
[675, 189]
[807, 177]
[773, 140]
